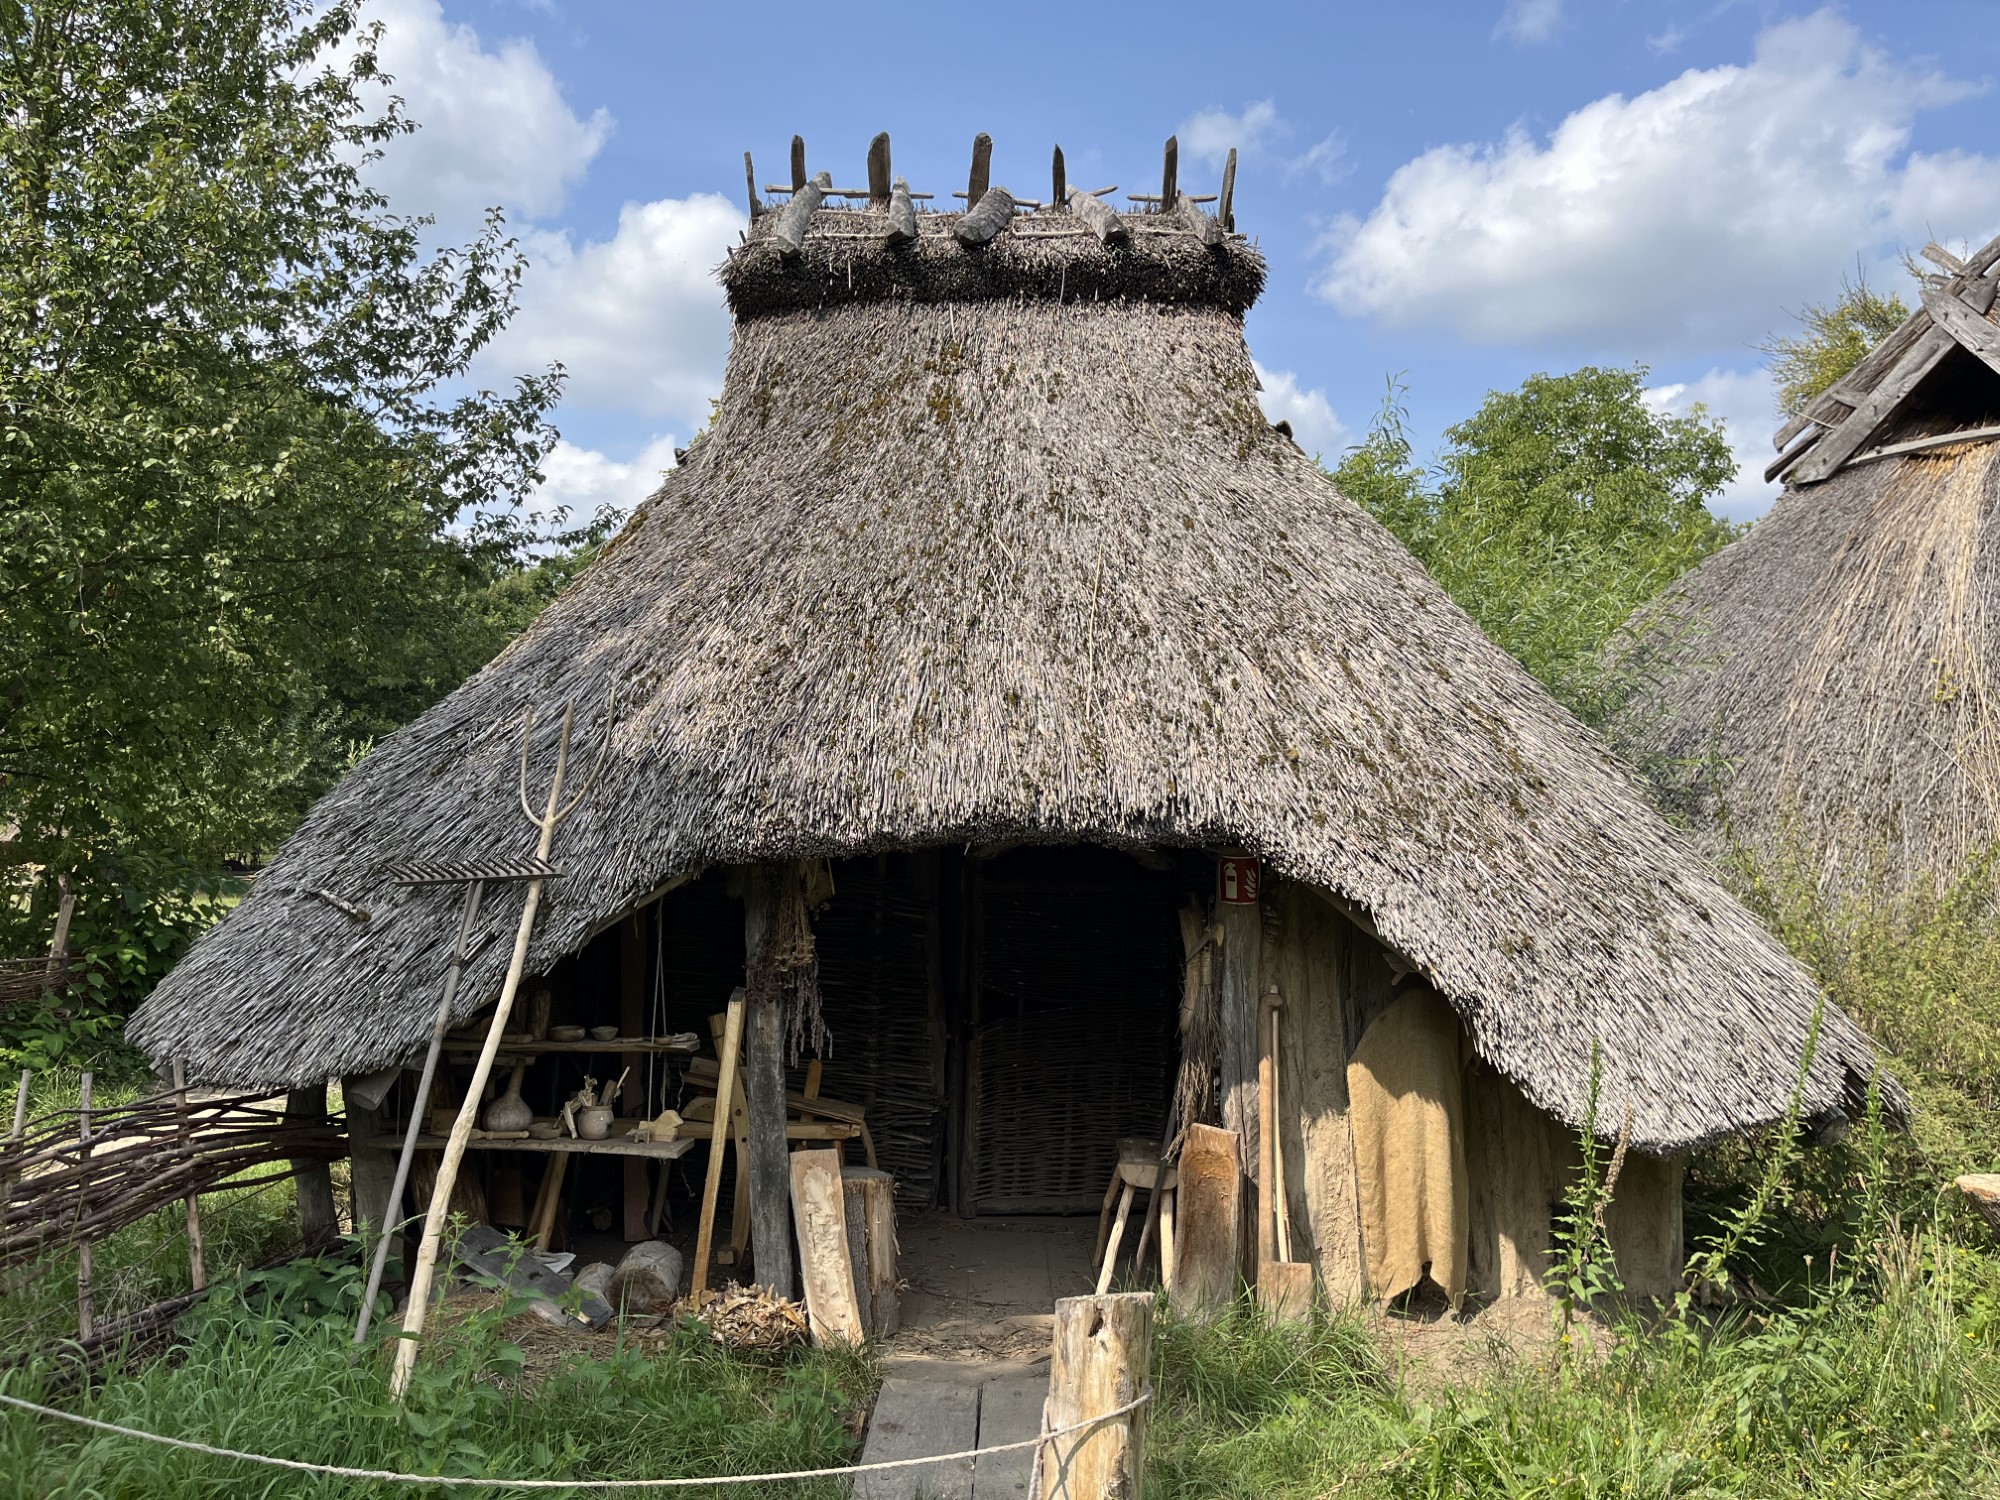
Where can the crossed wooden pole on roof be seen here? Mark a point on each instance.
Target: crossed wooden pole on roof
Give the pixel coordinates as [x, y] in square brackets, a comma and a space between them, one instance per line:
[989, 207]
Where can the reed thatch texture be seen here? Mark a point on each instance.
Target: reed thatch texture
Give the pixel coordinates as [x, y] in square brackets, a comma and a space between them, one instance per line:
[1825, 686]
[1031, 567]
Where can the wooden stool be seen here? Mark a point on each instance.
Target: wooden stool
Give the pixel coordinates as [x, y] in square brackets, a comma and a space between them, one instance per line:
[1139, 1166]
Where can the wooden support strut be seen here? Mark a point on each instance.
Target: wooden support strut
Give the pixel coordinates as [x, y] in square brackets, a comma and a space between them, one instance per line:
[764, 1080]
[981, 223]
[1972, 330]
[725, 1089]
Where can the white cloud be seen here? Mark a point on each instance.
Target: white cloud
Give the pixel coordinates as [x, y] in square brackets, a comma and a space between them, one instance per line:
[582, 479]
[1209, 135]
[638, 320]
[1314, 423]
[495, 128]
[1690, 216]
[1529, 20]
[1260, 133]
[1744, 402]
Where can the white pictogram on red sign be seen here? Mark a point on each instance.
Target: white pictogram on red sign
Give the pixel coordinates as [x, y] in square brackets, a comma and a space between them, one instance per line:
[1240, 880]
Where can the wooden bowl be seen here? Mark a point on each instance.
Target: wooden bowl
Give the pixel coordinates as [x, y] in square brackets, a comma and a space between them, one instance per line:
[565, 1033]
[604, 1033]
[544, 1130]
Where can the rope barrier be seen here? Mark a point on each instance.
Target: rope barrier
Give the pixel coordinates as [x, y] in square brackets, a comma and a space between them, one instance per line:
[390, 1476]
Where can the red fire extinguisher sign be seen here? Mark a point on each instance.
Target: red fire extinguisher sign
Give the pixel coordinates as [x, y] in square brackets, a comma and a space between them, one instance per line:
[1241, 880]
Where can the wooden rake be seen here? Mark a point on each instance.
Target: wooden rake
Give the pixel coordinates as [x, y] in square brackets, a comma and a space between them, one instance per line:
[554, 813]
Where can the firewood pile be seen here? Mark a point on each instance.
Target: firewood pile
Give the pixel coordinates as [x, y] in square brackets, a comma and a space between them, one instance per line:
[749, 1319]
[58, 1187]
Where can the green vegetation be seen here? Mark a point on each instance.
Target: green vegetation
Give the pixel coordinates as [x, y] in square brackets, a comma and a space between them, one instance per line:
[254, 516]
[267, 1366]
[1833, 338]
[1554, 511]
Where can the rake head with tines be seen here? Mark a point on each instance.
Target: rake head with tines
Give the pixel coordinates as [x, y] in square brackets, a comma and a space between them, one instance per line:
[465, 871]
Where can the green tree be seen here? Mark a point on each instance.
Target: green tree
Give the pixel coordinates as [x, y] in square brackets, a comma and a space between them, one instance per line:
[249, 506]
[1554, 511]
[1833, 339]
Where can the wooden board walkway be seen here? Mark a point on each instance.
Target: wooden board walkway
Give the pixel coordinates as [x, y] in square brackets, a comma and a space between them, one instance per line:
[915, 1416]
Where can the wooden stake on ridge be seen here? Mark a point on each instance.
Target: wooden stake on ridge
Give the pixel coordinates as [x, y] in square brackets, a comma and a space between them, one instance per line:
[878, 171]
[798, 162]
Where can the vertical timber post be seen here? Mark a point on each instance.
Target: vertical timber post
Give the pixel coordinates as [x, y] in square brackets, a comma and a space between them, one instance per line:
[197, 1257]
[319, 1220]
[86, 1300]
[1103, 1350]
[636, 1097]
[764, 1085]
[1242, 955]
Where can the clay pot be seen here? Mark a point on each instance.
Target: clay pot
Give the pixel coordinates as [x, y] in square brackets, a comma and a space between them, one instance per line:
[510, 1111]
[593, 1122]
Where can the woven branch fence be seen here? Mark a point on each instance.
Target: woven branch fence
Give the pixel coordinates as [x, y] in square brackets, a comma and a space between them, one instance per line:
[57, 1188]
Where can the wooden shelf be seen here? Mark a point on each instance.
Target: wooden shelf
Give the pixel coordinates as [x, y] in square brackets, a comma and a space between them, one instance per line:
[610, 1146]
[460, 1047]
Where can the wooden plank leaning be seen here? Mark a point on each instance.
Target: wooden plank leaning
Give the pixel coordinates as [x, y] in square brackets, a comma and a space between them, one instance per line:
[552, 816]
[725, 1091]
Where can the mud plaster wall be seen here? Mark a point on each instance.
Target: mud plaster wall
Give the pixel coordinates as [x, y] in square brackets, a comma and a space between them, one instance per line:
[1333, 978]
[1324, 969]
[1521, 1162]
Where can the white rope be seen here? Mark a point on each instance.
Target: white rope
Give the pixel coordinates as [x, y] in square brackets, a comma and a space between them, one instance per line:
[389, 1476]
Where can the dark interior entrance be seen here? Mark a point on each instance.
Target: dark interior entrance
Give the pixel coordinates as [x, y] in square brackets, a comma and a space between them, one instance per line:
[1068, 1028]
[1004, 1020]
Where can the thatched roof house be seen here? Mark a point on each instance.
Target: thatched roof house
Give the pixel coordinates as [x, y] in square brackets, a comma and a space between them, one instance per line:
[989, 545]
[1823, 689]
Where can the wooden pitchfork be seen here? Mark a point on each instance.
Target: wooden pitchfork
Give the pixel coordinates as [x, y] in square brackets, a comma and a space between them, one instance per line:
[554, 813]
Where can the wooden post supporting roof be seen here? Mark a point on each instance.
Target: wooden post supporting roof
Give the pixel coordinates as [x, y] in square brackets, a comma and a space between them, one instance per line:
[770, 1175]
[319, 1220]
[635, 1099]
[1242, 992]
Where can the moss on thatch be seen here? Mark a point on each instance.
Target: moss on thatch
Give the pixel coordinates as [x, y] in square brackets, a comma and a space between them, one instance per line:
[1024, 564]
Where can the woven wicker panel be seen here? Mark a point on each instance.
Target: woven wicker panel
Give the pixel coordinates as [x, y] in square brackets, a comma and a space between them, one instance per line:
[874, 976]
[1079, 989]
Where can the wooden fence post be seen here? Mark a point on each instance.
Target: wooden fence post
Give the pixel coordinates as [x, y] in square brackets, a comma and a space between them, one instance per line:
[1103, 1350]
[86, 1310]
[197, 1258]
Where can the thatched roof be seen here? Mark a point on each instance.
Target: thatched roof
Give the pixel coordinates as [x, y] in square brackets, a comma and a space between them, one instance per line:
[1021, 559]
[1823, 689]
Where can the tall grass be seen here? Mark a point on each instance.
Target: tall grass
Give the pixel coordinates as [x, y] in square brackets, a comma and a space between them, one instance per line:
[273, 1372]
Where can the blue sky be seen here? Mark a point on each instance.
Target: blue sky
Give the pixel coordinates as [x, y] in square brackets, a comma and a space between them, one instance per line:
[1460, 193]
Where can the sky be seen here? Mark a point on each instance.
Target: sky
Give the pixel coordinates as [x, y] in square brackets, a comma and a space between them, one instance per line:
[1453, 194]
